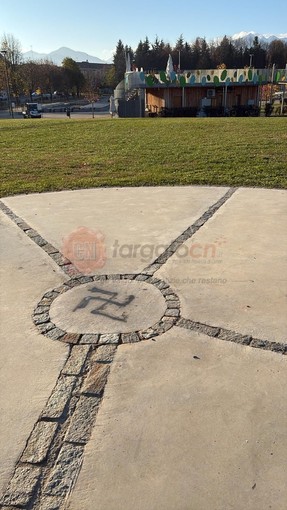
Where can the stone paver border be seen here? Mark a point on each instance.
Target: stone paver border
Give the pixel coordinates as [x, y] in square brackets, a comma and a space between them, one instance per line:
[43, 322]
[50, 463]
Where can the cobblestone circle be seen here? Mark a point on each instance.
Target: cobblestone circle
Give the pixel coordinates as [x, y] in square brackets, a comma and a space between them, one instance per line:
[51, 460]
[45, 326]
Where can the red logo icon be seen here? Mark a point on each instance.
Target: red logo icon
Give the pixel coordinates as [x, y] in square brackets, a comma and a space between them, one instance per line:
[86, 249]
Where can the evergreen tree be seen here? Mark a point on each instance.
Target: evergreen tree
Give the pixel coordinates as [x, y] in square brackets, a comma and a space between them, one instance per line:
[119, 62]
[257, 54]
[224, 53]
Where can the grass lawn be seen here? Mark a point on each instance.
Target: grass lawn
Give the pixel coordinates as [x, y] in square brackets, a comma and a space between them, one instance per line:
[46, 155]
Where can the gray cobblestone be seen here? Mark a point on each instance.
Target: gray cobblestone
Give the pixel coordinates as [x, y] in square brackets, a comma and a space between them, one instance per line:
[172, 312]
[60, 397]
[163, 326]
[167, 292]
[99, 278]
[183, 237]
[71, 338]
[96, 379]
[41, 309]
[169, 319]
[231, 336]
[196, 326]
[59, 259]
[49, 248]
[129, 338]
[44, 328]
[89, 339]
[51, 294]
[75, 363]
[63, 288]
[31, 232]
[153, 280]
[147, 334]
[199, 222]
[70, 270]
[65, 470]
[162, 285]
[258, 344]
[82, 420]
[141, 277]
[51, 503]
[72, 283]
[39, 442]
[55, 334]
[164, 257]
[112, 338]
[150, 270]
[103, 354]
[46, 301]
[40, 241]
[173, 304]
[171, 297]
[113, 277]
[41, 318]
[277, 347]
[24, 226]
[21, 487]
[85, 279]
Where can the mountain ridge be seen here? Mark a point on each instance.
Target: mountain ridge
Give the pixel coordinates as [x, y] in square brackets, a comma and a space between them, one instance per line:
[248, 37]
[58, 55]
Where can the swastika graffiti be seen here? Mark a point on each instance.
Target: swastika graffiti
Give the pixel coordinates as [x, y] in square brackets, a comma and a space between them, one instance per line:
[107, 299]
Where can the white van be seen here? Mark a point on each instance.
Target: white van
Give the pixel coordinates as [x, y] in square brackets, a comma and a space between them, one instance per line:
[32, 111]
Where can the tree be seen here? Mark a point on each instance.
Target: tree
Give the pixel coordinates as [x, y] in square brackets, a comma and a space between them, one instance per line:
[12, 47]
[143, 55]
[13, 56]
[178, 52]
[224, 53]
[277, 54]
[157, 55]
[30, 77]
[119, 62]
[73, 76]
[204, 55]
[257, 54]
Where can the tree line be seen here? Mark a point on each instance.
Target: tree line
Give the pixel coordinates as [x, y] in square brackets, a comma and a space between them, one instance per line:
[200, 54]
[30, 76]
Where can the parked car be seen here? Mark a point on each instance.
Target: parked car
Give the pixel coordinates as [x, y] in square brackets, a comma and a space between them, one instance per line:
[32, 111]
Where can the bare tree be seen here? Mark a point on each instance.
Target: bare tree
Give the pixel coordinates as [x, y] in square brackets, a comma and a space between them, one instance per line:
[12, 48]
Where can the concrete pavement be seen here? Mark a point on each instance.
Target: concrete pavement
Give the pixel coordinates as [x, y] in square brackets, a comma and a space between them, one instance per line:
[143, 334]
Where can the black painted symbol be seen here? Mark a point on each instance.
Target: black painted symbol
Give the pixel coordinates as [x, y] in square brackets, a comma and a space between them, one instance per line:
[107, 299]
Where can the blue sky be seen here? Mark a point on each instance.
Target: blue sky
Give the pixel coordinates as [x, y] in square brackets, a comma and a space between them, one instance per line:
[95, 26]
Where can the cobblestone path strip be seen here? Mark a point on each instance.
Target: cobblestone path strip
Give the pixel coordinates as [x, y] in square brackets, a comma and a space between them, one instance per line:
[65, 264]
[50, 463]
[51, 460]
[232, 336]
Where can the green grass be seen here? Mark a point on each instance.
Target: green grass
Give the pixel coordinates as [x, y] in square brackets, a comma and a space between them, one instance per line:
[45, 155]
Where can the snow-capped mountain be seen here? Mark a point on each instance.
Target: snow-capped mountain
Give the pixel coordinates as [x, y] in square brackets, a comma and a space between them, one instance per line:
[248, 37]
[58, 56]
